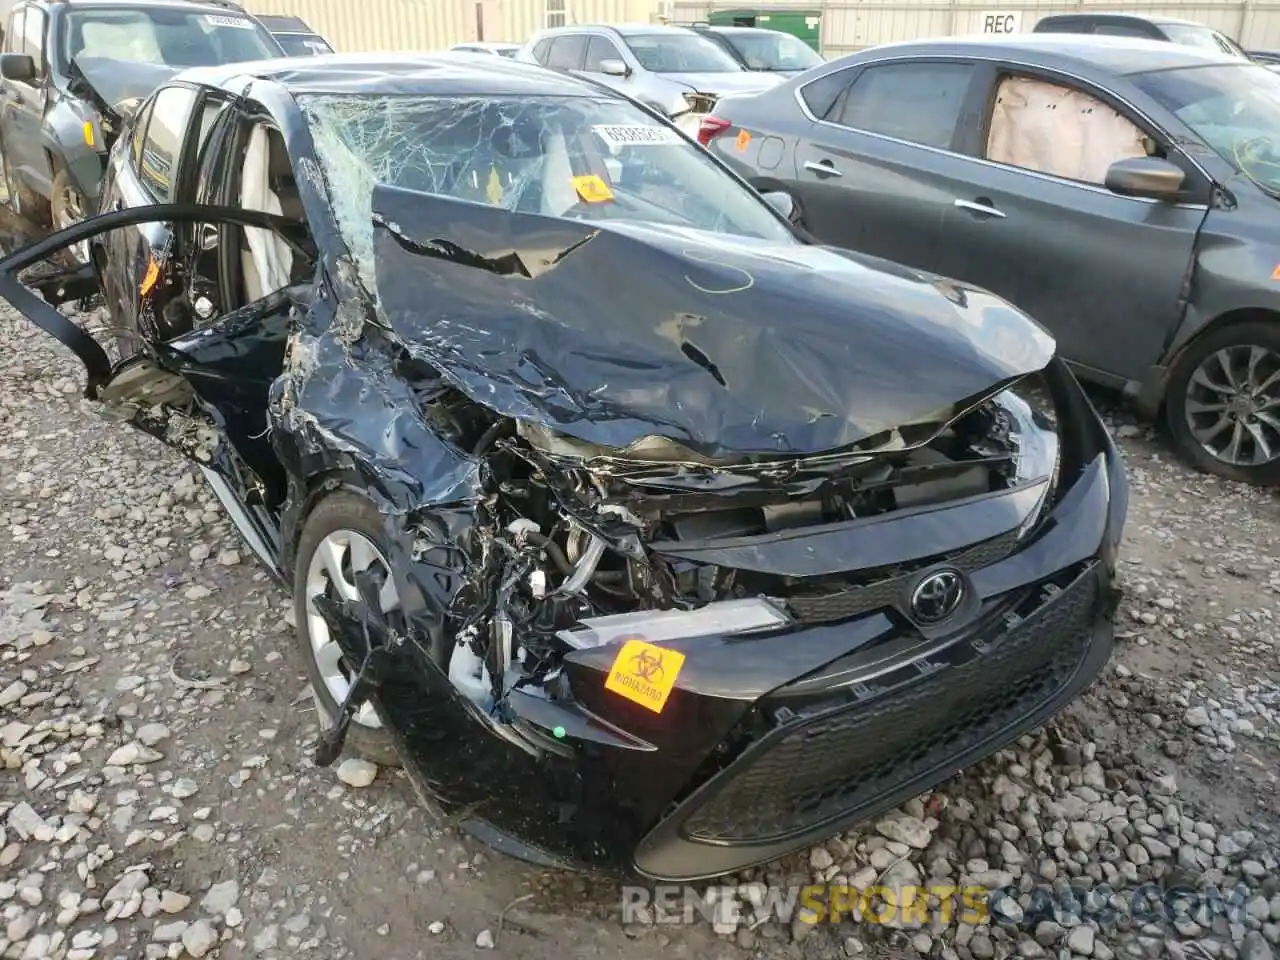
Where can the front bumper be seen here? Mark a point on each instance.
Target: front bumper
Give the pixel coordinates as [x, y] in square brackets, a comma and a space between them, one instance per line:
[771, 742]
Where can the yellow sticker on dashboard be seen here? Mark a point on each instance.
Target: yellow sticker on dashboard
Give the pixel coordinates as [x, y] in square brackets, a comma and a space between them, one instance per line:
[645, 673]
[592, 189]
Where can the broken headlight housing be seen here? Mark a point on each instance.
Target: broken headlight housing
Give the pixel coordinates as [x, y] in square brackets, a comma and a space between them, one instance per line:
[1038, 451]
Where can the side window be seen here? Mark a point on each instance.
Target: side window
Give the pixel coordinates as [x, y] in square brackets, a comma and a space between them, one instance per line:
[567, 53]
[598, 50]
[919, 102]
[541, 49]
[139, 135]
[1058, 130]
[13, 33]
[33, 31]
[821, 95]
[170, 116]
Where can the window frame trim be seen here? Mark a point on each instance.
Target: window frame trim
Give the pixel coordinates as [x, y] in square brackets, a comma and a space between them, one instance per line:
[184, 136]
[996, 63]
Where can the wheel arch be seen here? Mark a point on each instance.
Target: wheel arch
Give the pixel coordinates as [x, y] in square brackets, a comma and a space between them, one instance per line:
[1152, 397]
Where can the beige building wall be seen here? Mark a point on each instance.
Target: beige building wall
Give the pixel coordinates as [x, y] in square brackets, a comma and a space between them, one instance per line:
[849, 25]
[358, 25]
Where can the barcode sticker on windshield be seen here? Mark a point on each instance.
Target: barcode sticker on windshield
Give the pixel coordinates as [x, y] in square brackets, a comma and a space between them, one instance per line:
[240, 23]
[625, 135]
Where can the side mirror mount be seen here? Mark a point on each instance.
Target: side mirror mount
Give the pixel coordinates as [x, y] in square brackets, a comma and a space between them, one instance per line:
[783, 202]
[614, 68]
[18, 67]
[1149, 177]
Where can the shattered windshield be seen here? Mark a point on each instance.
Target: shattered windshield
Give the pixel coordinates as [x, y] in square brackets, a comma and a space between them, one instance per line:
[175, 38]
[767, 50]
[1235, 109]
[587, 159]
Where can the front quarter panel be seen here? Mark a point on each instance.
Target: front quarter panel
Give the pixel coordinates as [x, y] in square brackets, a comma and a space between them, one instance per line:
[63, 136]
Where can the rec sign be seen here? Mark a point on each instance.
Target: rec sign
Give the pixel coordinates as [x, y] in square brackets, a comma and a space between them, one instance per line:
[1001, 22]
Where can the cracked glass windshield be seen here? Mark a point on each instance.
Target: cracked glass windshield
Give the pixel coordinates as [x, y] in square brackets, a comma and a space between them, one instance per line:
[1235, 109]
[577, 157]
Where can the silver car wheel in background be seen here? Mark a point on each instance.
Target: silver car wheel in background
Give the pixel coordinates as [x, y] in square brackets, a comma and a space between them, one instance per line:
[333, 565]
[1233, 405]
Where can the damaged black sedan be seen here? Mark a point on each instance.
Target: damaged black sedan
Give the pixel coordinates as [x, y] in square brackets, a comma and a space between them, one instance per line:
[641, 529]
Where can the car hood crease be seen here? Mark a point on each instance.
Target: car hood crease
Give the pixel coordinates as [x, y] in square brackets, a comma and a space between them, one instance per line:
[614, 332]
[116, 81]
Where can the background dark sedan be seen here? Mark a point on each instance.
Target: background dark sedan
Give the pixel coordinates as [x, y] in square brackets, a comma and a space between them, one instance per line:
[770, 51]
[1123, 192]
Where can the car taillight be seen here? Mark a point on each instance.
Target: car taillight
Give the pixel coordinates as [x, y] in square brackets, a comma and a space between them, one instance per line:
[711, 127]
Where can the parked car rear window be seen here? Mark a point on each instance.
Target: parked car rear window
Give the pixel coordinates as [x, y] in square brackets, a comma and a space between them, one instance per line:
[771, 50]
[821, 95]
[176, 38]
[534, 155]
[1190, 35]
[681, 53]
[919, 102]
[1234, 108]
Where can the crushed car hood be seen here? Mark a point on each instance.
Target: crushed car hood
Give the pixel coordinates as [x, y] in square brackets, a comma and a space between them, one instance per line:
[117, 81]
[615, 333]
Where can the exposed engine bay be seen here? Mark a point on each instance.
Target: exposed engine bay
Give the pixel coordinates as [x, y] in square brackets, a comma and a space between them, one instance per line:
[574, 531]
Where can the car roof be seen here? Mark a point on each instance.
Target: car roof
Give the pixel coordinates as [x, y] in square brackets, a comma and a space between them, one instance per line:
[625, 29]
[425, 74]
[1121, 55]
[283, 22]
[1139, 17]
[213, 6]
[717, 28]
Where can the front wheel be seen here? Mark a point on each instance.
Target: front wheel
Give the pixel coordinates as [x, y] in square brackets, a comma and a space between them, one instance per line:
[343, 536]
[69, 207]
[1222, 406]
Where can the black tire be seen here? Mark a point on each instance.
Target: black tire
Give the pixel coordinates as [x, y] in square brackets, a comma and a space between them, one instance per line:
[24, 201]
[341, 510]
[1264, 334]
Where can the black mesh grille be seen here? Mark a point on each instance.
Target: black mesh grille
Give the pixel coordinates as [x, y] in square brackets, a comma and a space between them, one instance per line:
[832, 764]
[836, 605]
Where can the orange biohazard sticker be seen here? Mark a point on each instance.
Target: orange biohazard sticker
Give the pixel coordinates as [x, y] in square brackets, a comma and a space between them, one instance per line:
[743, 139]
[645, 673]
[592, 189]
[149, 281]
[1275, 274]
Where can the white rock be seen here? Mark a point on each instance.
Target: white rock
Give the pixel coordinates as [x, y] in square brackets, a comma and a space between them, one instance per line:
[183, 788]
[26, 821]
[199, 938]
[221, 898]
[169, 932]
[484, 941]
[173, 902]
[152, 733]
[132, 753]
[912, 831]
[355, 772]
[12, 693]
[435, 927]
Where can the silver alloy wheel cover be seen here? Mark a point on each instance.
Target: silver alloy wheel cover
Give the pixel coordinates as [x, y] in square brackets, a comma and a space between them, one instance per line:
[328, 566]
[1232, 405]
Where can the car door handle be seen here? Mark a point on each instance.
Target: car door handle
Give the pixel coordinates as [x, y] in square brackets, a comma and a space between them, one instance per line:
[980, 206]
[823, 168]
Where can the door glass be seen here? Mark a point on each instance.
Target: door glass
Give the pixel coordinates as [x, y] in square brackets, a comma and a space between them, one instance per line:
[170, 115]
[919, 102]
[600, 49]
[33, 31]
[1060, 131]
[13, 35]
[540, 50]
[567, 53]
[139, 137]
[820, 95]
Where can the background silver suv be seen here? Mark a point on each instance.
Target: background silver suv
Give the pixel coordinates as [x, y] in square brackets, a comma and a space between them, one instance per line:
[670, 69]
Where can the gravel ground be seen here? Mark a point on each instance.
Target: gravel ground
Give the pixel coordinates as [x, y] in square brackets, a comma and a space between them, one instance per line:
[158, 797]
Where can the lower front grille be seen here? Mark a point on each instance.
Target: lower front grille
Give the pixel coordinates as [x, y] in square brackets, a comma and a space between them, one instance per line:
[829, 765]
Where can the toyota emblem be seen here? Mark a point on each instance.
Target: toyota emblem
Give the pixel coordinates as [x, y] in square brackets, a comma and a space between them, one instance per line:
[937, 596]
